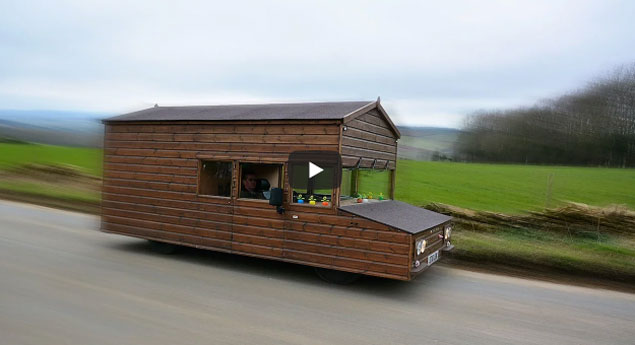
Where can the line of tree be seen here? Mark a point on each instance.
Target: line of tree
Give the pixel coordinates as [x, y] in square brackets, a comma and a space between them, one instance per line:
[593, 126]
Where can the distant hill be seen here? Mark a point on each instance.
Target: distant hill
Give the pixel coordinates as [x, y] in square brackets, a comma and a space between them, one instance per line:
[52, 127]
[426, 143]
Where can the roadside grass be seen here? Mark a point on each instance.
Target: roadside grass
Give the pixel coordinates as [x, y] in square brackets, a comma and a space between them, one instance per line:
[50, 190]
[610, 257]
[511, 188]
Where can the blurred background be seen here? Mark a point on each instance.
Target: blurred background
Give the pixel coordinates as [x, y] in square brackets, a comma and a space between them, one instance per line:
[518, 118]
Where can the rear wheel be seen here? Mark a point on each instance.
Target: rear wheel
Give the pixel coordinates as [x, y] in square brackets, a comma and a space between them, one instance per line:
[163, 248]
[337, 277]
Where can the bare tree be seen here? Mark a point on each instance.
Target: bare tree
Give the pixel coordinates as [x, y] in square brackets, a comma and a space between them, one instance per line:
[592, 126]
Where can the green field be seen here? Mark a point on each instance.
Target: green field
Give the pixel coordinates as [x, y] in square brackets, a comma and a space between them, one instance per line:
[87, 160]
[511, 188]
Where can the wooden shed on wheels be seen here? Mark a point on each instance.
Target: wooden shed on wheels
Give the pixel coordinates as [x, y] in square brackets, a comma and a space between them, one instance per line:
[207, 177]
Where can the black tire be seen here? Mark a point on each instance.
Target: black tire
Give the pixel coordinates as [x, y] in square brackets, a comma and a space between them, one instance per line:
[163, 248]
[337, 277]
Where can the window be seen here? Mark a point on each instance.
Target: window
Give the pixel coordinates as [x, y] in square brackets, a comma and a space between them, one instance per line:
[215, 178]
[256, 180]
[307, 190]
[360, 184]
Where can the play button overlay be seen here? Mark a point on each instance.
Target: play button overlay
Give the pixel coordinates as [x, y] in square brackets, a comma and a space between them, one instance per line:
[314, 171]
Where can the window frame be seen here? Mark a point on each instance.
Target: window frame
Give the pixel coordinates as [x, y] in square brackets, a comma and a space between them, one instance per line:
[239, 174]
[334, 192]
[355, 173]
[199, 176]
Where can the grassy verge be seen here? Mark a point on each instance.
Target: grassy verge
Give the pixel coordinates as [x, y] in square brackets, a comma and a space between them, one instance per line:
[576, 239]
[50, 191]
[55, 200]
[610, 258]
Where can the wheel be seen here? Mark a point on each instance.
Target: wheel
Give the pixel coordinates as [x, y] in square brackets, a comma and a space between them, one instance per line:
[336, 277]
[163, 248]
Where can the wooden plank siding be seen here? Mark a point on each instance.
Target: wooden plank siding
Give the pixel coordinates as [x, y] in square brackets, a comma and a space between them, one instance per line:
[150, 191]
[370, 138]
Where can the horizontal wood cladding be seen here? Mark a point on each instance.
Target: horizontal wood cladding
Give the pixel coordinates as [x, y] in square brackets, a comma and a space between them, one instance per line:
[365, 144]
[204, 223]
[152, 186]
[141, 176]
[141, 201]
[218, 147]
[151, 161]
[224, 129]
[238, 150]
[369, 139]
[150, 191]
[353, 161]
[228, 138]
[200, 227]
[141, 168]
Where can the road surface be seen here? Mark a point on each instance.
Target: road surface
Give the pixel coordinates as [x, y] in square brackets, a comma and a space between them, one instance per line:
[64, 282]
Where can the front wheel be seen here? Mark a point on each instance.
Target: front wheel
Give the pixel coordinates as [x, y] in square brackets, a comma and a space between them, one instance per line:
[163, 247]
[336, 277]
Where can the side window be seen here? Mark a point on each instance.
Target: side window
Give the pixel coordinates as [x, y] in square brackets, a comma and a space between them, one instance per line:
[306, 190]
[373, 184]
[215, 178]
[365, 185]
[256, 180]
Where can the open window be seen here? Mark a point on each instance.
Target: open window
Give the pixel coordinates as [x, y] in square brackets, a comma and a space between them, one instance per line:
[365, 185]
[215, 178]
[256, 180]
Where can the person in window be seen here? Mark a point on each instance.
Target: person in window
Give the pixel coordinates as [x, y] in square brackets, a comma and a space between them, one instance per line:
[249, 183]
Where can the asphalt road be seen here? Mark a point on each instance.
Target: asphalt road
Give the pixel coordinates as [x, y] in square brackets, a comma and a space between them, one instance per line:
[63, 282]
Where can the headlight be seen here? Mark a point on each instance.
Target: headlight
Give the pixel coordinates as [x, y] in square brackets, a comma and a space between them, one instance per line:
[421, 246]
[448, 232]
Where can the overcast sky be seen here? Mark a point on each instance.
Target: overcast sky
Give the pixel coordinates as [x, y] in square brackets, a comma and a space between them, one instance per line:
[431, 62]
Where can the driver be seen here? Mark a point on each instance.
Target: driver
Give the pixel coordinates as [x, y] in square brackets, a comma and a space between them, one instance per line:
[248, 189]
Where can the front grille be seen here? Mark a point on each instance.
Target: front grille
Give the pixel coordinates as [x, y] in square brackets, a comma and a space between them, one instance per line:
[434, 242]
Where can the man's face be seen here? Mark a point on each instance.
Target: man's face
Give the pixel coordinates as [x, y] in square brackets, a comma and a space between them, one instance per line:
[249, 182]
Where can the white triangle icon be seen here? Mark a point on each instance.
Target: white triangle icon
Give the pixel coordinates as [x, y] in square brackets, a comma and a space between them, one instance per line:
[314, 169]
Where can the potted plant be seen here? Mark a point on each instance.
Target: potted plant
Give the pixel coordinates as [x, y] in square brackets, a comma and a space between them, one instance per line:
[370, 195]
[325, 201]
[381, 196]
[364, 198]
[300, 199]
[359, 198]
[312, 200]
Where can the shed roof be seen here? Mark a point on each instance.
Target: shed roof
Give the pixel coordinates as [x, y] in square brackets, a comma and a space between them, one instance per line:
[398, 214]
[282, 111]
